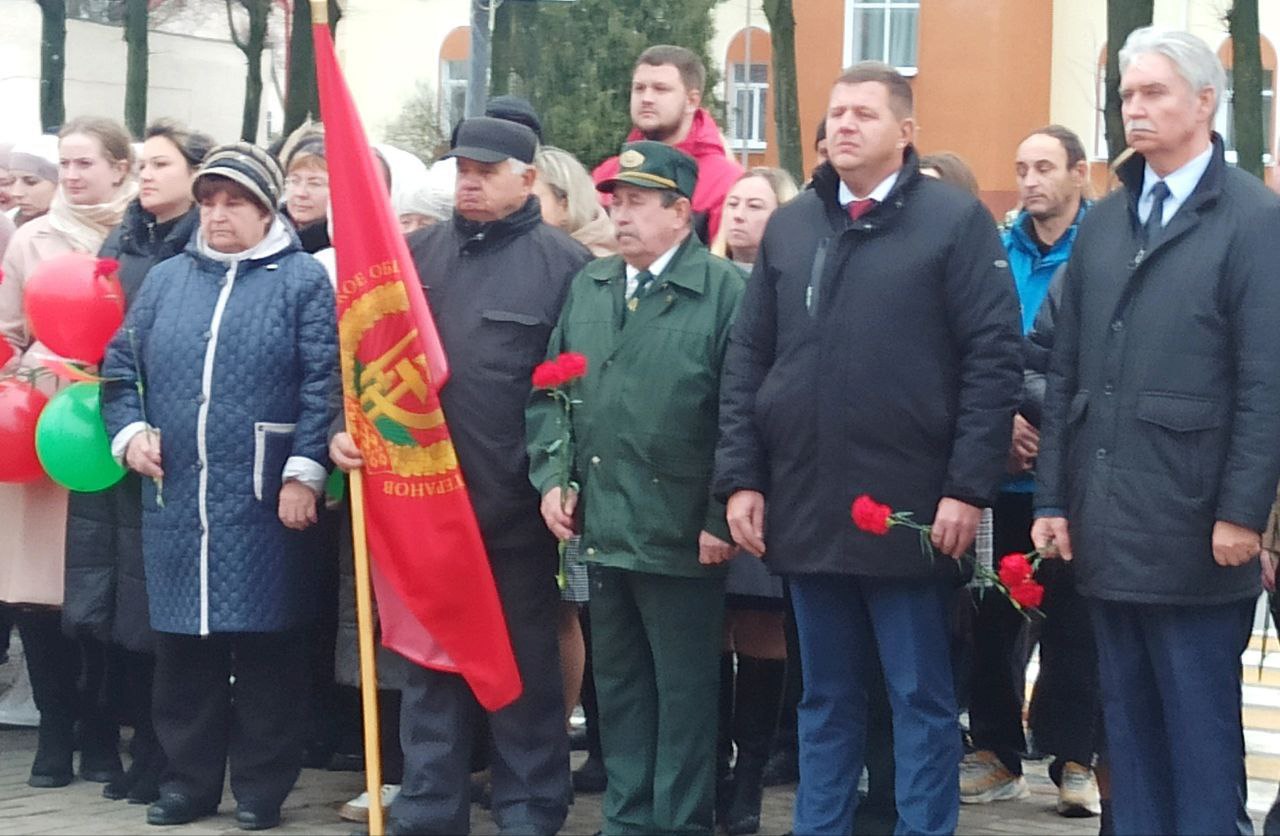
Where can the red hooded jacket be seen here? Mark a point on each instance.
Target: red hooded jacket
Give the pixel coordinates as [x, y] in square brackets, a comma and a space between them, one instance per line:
[717, 171]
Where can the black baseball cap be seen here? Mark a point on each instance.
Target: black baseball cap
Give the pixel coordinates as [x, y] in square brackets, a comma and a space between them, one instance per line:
[488, 140]
[515, 109]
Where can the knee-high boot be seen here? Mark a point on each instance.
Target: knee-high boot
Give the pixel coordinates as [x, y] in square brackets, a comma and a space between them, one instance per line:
[757, 702]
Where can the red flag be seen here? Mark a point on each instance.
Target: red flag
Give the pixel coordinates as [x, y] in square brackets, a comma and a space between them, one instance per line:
[436, 597]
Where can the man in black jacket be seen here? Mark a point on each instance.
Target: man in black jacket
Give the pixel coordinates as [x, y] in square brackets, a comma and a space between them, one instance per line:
[877, 352]
[495, 278]
[1159, 454]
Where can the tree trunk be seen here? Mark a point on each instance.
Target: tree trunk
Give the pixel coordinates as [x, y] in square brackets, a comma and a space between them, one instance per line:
[1123, 16]
[786, 104]
[252, 45]
[53, 64]
[500, 50]
[302, 96]
[1246, 98]
[135, 87]
[478, 82]
[300, 90]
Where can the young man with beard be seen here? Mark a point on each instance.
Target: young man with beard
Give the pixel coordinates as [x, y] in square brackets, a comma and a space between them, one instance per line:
[877, 352]
[1051, 172]
[666, 106]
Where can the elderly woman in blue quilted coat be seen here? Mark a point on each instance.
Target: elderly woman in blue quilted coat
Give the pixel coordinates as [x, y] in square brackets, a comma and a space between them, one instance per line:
[235, 342]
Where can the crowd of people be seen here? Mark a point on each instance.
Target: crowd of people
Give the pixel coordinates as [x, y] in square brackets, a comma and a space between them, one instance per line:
[1093, 384]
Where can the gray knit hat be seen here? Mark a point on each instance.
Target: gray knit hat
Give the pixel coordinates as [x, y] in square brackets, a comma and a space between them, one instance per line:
[248, 165]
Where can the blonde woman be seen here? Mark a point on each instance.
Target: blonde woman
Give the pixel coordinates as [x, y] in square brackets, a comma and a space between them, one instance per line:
[569, 201]
[94, 160]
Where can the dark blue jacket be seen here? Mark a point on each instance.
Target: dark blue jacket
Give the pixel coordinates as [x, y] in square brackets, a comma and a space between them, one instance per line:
[239, 367]
[1162, 411]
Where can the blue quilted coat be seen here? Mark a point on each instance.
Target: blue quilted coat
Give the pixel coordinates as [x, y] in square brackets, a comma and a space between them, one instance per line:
[240, 365]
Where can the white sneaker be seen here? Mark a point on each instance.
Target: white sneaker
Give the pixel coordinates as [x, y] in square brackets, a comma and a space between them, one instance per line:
[983, 779]
[357, 809]
[1078, 792]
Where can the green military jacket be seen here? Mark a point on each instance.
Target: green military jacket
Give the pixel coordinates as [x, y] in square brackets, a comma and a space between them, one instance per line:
[644, 434]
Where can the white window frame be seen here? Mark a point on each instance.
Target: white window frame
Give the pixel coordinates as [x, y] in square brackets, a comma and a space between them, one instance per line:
[1222, 122]
[850, 6]
[759, 92]
[448, 84]
[1101, 151]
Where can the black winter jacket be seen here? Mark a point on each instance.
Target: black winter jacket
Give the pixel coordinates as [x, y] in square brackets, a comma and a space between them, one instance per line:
[881, 356]
[495, 291]
[106, 591]
[1162, 413]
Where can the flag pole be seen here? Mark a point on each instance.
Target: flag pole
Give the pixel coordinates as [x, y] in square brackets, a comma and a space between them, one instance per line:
[364, 601]
[368, 663]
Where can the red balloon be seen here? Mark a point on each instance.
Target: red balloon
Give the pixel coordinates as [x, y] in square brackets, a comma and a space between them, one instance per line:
[20, 406]
[75, 305]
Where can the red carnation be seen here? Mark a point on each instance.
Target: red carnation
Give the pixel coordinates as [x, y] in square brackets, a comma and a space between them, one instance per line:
[1015, 570]
[548, 375]
[106, 267]
[871, 516]
[1028, 594]
[572, 365]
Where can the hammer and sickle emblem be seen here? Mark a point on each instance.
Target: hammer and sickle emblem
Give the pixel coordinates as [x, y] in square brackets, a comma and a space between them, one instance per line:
[391, 378]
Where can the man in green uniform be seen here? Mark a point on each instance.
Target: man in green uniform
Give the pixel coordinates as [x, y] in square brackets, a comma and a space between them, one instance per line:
[653, 323]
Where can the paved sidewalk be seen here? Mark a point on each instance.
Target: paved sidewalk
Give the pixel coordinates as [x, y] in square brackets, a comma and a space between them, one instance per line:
[313, 806]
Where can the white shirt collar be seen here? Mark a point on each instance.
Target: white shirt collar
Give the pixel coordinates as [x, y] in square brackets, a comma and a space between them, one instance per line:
[659, 264]
[1181, 182]
[878, 194]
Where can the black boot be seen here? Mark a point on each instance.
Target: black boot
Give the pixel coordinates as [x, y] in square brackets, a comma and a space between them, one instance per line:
[755, 721]
[53, 665]
[54, 749]
[724, 739]
[100, 752]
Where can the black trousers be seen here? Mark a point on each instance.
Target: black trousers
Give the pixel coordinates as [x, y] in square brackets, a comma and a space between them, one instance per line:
[1066, 710]
[529, 746]
[1002, 647]
[258, 723]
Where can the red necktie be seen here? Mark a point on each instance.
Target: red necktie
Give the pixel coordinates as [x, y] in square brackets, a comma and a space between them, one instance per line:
[858, 208]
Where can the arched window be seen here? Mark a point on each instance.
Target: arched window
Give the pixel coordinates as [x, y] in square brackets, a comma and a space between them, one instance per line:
[455, 71]
[1225, 123]
[747, 76]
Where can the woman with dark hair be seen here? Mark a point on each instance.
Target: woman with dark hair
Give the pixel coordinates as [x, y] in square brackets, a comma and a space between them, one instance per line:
[220, 393]
[106, 597]
[94, 189]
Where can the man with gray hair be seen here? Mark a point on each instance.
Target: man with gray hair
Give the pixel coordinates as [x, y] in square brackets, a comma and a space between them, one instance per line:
[1158, 456]
[495, 278]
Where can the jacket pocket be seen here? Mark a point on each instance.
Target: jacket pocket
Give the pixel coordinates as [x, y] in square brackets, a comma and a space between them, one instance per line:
[511, 342]
[1176, 438]
[272, 443]
[1180, 413]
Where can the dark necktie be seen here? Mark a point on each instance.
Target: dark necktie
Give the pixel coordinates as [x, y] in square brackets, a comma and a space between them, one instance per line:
[858, 208]
[1155, 221]
[644, 281]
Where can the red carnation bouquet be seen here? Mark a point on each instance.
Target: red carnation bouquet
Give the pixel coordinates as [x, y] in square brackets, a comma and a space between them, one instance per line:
[1015, 578]
[556, 378]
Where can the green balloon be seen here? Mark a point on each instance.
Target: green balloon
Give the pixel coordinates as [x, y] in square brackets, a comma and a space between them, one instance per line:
[72, 443]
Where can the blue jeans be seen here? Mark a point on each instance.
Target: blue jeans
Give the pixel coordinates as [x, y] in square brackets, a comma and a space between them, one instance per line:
[843, 620]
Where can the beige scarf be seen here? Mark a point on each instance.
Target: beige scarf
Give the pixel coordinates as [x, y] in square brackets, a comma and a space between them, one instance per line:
[87, 226]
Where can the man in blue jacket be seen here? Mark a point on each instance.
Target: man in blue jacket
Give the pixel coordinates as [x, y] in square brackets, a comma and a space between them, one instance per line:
[1052, 173]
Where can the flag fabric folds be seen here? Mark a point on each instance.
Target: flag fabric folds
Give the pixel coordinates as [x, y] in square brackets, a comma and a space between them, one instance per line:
[437, 601]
